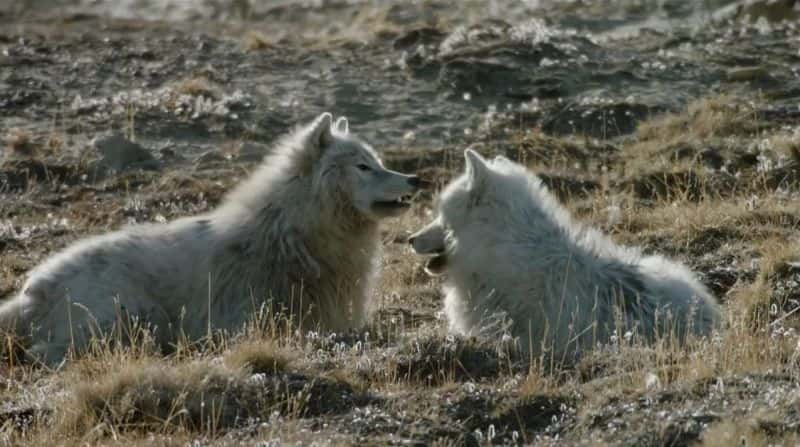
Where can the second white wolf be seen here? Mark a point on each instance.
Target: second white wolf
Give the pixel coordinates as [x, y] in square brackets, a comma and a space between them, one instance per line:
[509, 249]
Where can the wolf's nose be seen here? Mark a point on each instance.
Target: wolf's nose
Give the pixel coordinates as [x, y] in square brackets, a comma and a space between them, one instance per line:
[411, 240]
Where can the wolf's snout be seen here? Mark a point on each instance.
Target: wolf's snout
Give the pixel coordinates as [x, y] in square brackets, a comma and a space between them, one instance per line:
[430, 242]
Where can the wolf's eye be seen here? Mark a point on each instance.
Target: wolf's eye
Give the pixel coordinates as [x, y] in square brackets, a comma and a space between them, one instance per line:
[363, 167]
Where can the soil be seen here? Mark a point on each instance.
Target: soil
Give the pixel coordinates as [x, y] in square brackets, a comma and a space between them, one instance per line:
[117, 113]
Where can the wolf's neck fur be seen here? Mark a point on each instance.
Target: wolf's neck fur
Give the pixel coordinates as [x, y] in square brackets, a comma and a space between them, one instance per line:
[281, 233]
[276, 203]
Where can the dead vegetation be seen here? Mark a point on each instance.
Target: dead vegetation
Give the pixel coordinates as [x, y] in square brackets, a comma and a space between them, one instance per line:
[19, 142]
[698, 186]
[256, 41]
[197, 86]
[22, 143]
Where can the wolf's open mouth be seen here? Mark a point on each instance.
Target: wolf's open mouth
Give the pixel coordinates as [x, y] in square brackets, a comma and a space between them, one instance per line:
[390, 206]
[436, 265]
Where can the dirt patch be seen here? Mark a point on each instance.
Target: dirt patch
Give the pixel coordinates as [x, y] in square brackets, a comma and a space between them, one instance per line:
[436, 359]
[194, 97]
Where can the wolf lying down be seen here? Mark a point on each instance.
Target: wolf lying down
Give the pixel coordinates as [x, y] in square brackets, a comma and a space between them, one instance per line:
[302, 231]
[509, 248]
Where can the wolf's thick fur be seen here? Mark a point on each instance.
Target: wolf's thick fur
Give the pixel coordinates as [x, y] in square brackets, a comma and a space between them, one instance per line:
[509, 248]
[301, 233]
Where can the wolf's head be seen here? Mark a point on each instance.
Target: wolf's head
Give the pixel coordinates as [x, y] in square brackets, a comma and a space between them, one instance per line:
[475, 207]
[348, 173]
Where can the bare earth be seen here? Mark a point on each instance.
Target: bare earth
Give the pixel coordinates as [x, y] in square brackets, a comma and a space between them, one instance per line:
[671, 125]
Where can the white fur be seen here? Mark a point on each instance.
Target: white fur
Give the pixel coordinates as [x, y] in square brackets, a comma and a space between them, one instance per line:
[509, 248]
[301, 234]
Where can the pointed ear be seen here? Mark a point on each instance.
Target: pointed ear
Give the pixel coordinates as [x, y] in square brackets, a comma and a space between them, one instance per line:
[501, 159]
[476, 168]
[320, 131]
[312, 142]
[342, 125]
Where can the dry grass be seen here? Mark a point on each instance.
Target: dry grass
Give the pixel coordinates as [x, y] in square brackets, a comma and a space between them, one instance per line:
[777, 258]
[262, 357]
[441, 358]
[721, 116]
[19, 142]
[743, 432]
[204, 394]
[197, 86]
[256, 41]
[671, 141]
[155, 396]
[23, 143]
[408, 378]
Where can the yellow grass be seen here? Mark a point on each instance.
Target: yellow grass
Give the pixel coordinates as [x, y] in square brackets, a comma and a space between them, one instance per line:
[130, 394]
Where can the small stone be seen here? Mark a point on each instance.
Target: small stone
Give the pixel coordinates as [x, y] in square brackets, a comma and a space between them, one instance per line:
[744, 74]
[168, 153]
[773, 11]
[118, 154]
[712, 158]
[209, 157]
[793, 266]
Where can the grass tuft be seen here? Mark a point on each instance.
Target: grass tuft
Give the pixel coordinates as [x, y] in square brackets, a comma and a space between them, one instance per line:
[197, 86]
[20, 142]
[258, 357]
[256, 41]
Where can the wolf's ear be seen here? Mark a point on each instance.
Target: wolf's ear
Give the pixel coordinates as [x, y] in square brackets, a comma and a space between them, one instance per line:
[477, 170]
[501, 159]
[320, 131]
[314, 139]
[342, 125]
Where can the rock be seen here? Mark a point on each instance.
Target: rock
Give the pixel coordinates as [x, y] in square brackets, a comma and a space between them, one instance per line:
[419, 36]
[18, 174]
[712, 158]
[208, 158]
[744, 74]
[169, 153]
[120, 154]
[753, 10]
[771, 10]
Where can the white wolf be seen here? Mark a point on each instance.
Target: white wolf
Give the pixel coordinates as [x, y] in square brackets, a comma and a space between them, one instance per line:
[510, 249]
[301, 232]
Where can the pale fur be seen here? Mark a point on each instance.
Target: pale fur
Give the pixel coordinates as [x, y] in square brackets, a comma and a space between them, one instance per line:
[299, 236]
[511, 250]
